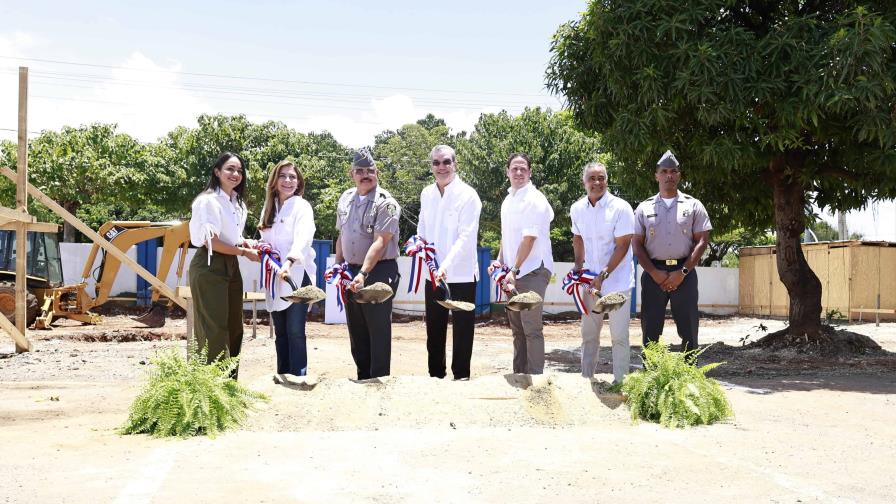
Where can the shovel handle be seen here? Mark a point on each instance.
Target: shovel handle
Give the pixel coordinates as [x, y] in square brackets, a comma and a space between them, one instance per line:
[291, 283]
[444, 285]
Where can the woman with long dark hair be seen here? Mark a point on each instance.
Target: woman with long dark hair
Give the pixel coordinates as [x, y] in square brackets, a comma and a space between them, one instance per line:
[287, 224]
[216, 227]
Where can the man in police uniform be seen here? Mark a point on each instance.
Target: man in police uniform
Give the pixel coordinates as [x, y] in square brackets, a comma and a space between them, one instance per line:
[367, 220]
[671, 233]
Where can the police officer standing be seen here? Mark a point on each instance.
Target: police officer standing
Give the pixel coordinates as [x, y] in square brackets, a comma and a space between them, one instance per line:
[367, 220]
[671, 233]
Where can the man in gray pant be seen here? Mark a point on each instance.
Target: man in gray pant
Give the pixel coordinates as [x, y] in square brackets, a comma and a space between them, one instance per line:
[526, 218]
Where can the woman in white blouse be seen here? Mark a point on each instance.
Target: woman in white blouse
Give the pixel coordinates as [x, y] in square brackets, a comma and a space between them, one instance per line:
[287, 224]
[216, 227]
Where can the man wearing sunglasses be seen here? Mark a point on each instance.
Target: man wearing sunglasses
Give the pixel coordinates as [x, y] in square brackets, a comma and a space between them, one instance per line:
[449, 220]
[367, 220]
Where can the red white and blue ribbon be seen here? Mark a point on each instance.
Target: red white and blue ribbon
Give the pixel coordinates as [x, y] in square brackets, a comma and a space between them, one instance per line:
[573, 284]
[270, 266]
[341, 276]
[421, 252]
[498, 276]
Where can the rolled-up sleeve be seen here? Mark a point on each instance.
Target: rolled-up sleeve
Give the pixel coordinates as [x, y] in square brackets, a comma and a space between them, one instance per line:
[205, 221]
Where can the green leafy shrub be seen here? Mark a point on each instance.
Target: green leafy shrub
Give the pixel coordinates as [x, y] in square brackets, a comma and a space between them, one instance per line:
[672, 391]
[187, 397]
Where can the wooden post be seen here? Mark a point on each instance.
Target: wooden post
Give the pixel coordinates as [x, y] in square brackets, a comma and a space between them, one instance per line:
[99, 240]
[22, 206]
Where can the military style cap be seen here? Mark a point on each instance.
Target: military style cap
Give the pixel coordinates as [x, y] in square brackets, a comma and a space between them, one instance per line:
[363, 159]
[668, 160]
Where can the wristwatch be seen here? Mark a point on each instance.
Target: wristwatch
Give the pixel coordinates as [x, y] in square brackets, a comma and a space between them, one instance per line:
[603, 275]
[362, 273]
[515, 270]
[685, 270]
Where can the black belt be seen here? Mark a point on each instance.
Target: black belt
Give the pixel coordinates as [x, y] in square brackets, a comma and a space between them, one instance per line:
[669, 264]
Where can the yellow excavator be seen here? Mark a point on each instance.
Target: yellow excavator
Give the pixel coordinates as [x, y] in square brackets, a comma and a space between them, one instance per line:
[73, 301]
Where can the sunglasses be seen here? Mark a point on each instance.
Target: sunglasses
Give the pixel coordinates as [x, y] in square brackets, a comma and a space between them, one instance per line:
[362, 171]
[445, 162]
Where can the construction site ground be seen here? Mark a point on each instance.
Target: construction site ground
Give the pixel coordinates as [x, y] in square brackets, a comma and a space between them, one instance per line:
[805, 430]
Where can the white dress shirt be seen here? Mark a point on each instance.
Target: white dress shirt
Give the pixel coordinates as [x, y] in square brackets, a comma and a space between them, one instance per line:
[599, 225]
[526, 212]
[214, 214]
[292, 235]
[450, 221]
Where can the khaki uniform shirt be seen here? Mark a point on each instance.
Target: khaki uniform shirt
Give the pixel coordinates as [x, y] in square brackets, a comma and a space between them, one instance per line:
[358, 221]
[668, 231]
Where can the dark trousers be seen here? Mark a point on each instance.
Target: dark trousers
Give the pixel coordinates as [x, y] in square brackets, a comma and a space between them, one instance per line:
[437, 329]
[290, 342]
[684, 309]
[217, 291]
[370, 325]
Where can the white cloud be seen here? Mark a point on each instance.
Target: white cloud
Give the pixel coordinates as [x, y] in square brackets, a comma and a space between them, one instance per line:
[144, 98]
[390, 113]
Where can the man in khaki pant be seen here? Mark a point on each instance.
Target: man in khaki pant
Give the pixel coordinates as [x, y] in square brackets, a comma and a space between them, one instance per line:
[602, 227]
[526, 218]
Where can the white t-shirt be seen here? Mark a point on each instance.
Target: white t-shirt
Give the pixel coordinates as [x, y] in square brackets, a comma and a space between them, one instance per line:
[526, 212]
[599, 225]
[450, 221]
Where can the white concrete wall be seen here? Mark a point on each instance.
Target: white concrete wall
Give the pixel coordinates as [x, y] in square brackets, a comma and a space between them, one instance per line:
[718, 286]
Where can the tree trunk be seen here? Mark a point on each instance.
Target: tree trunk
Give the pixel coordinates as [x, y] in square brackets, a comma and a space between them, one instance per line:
[802, 284]
[69, 233]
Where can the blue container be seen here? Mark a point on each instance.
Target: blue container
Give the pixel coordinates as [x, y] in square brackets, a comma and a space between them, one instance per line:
[147, 256]
[483, 286]
[321, 253]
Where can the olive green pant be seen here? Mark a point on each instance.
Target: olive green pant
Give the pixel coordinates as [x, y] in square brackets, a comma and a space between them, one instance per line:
[217, 291]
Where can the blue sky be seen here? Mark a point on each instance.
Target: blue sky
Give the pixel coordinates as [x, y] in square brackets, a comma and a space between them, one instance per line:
[349, 67]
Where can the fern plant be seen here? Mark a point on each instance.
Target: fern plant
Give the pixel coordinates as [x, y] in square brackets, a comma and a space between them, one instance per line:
[187, 397]
[672, 391]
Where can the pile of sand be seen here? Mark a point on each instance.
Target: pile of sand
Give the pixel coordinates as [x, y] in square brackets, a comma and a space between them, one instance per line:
[512, 400]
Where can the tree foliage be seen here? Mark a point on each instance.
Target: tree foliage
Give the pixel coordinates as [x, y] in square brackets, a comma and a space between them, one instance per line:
[769, 105]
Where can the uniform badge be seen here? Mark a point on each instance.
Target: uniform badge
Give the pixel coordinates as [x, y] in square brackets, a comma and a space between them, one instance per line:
[370, 228]
[652, 231]
[392, 210]
[686, 212]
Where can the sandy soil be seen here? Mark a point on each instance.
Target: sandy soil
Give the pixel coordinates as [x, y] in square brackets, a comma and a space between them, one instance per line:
[800, 434]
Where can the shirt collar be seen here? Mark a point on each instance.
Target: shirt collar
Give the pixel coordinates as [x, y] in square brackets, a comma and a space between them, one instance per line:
[232, 198]
[521, 191]
[602, 202]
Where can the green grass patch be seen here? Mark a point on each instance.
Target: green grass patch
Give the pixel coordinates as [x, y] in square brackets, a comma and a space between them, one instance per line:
[187, 397]
[673, 392]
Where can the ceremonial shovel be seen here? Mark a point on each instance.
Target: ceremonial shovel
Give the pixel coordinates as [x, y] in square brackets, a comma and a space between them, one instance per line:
[524, 301]
[452, 304]
[308, 294]
[608, 303]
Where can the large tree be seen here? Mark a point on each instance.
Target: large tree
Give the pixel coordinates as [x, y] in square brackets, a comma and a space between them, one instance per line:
[769, 105]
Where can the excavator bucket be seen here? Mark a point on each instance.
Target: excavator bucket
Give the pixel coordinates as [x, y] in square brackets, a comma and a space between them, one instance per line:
[155, 316]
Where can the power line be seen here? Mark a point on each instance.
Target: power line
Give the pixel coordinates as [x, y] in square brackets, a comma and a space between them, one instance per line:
[266, 79]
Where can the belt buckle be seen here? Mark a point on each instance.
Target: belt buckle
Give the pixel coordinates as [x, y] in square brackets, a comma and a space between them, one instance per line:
[671, 262]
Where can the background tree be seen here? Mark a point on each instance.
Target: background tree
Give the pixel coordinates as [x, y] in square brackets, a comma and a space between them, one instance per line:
[558, 152]
[769, 105]
[93, 171]
[403, 157]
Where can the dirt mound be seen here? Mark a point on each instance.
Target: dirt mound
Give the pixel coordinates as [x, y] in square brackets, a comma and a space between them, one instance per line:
[335, 404]
[124, 335]
[830, 342]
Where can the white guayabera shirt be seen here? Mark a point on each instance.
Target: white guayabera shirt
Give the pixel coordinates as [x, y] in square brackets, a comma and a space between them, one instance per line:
[526, 212]
[599, 225]
[214, 214]
[292, 235]
[451, 222]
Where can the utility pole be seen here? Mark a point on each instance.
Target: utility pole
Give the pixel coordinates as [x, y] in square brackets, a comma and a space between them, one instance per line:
[841, 226]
